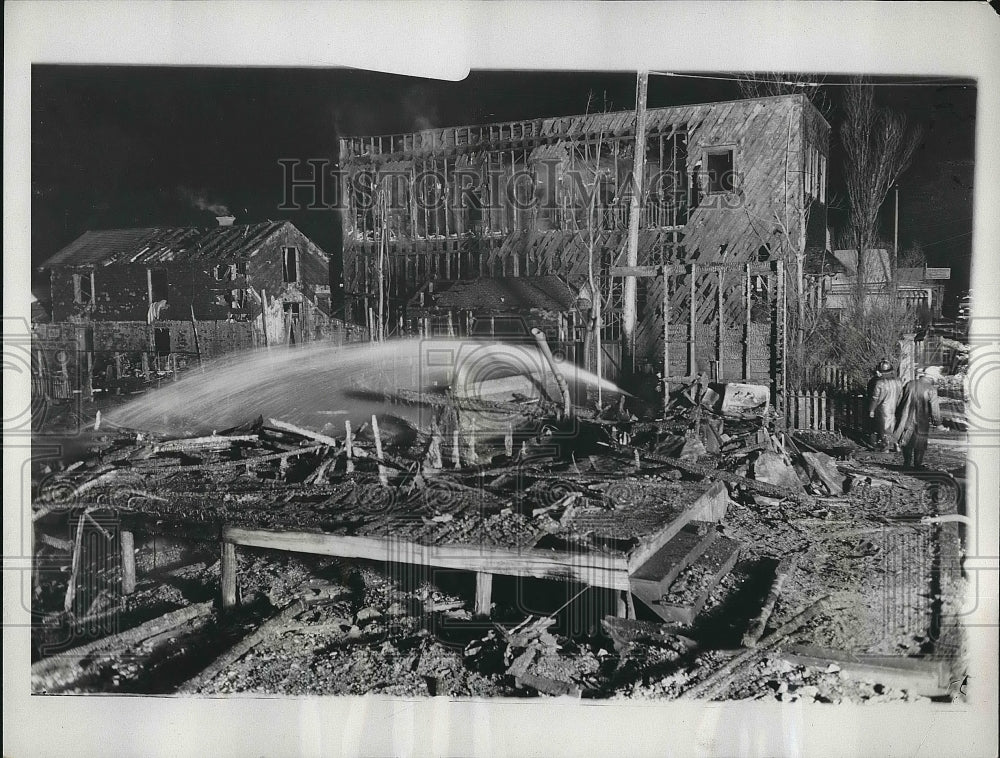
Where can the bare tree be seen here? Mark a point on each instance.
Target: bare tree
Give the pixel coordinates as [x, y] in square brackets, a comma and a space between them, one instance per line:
[913, 256]
[878, 147]
[775, 83]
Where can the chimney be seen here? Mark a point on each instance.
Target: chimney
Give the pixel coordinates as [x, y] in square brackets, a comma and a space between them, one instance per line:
[225, 220]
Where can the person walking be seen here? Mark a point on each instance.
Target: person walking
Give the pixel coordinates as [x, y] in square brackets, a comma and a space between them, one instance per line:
[918, 409]
[884, 395]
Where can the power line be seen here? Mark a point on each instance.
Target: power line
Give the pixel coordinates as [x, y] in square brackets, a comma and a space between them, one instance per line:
[946, 239]
[737, 79]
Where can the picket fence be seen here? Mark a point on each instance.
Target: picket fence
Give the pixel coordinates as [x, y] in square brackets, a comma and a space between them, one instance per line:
[822, 411]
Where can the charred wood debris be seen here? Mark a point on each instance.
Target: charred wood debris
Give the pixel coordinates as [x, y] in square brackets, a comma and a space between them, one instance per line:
[773, 594]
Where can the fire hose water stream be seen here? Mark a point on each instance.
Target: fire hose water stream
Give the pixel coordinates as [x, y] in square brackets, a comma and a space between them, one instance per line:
[320, 386]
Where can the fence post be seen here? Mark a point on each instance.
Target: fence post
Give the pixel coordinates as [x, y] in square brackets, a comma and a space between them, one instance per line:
[822, 411]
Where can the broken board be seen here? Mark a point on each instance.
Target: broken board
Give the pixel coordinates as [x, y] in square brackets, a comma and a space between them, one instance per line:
[690, 591]
[652, 580]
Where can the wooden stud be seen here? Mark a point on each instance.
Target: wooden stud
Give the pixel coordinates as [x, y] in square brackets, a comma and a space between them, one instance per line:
[719, 347]
[434, 449]
[666, 336]
[692, 362]
[471, 440]
[128, 562]
[746, 329]
[349, 445]
[484, 594]
[228, 575]
[383, 477]
[74, 567]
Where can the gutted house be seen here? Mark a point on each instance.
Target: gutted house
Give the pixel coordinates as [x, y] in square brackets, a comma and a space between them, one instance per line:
[733, 194]
[160, 297]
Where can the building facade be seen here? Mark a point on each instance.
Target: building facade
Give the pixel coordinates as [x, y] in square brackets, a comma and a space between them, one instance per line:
[157, 299]
[731, 192]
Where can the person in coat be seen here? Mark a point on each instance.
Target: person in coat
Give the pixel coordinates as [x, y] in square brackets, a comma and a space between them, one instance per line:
[918, 409]
[884, 397]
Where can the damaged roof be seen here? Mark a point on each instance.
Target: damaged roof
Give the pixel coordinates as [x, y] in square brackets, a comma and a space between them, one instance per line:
[824, 262]
[547, 293]
[160, 244]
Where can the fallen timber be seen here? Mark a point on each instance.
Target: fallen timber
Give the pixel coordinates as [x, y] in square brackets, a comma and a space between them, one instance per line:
[539, 408]
[762, 488]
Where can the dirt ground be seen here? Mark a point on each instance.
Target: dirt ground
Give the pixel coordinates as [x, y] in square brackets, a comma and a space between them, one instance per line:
[312, 625]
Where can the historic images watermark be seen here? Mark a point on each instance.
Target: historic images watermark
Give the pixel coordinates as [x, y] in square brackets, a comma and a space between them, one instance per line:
[547, 185]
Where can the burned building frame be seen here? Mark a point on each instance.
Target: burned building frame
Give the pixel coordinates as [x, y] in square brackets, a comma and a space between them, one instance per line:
[551, 197]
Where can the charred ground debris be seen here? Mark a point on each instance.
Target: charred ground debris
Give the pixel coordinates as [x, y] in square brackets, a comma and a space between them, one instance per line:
[524, 538]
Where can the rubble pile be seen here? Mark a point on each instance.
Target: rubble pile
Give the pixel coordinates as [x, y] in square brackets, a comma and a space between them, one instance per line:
[729, 530]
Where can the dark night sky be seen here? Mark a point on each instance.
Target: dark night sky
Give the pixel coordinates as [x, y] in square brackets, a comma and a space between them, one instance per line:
[128, 146]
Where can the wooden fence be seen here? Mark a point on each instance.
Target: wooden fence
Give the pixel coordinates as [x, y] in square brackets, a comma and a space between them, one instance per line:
[828, 375]
[822, 411]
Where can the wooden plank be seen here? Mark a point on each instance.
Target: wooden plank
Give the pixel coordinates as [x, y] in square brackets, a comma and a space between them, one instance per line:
[484, 594]
[597, 570]
[212, 442]
[666, 336]
[59, 672]
[693, 315]
[641, 271]
[128, 562]
[284, 426]
[270, 628]
[723, 676]
[720, 373]
[709, 506]
[919, 676]
[228, 574]
[74, 567]
[785, 568]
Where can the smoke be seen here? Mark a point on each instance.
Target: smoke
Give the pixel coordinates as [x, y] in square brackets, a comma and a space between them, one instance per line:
[413, 109]
[200, 199]
[419, 108]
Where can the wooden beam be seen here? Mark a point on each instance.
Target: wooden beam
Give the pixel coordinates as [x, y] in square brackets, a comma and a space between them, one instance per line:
[284, 426]
[228, 574]
[128, 562]
[719, 357]
[596, 570]
[921, 676]
[641, 271]
[666, 336]
[756, 629]
[692, 362]
[74, 566]
[635, 210]
[62, 671]
[747, 294]
[724, 675]
[484, 594]
[711, 505]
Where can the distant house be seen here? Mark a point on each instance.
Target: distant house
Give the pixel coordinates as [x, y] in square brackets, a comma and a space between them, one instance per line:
[162, 296]
[834, 279]
[180, 273]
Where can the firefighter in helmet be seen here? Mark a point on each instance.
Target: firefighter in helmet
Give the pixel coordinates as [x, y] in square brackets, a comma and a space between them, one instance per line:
[885, 394]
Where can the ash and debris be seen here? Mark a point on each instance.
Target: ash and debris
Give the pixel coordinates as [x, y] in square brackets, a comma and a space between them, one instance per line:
[891, 583]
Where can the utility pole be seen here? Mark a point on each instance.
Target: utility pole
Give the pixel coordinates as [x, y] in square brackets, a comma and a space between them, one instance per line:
[635, 211]
[895, 236]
